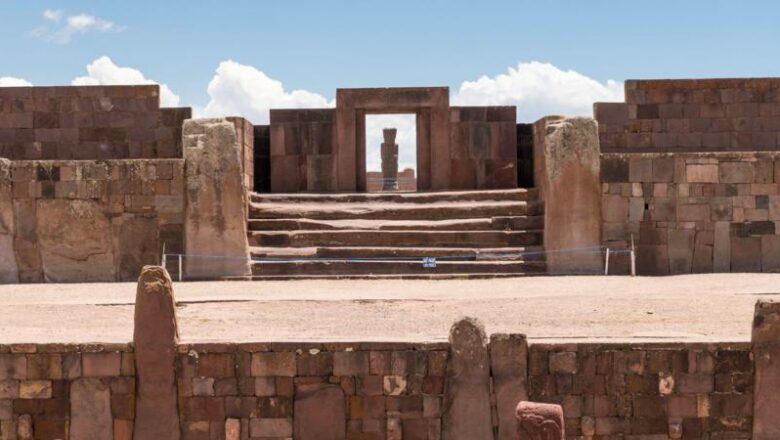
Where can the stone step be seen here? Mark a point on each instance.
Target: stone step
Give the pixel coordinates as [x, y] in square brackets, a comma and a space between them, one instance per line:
[519, 194]
[335, 268]
[492, 223]
[394, 211]
[527, 253]
[411, 238]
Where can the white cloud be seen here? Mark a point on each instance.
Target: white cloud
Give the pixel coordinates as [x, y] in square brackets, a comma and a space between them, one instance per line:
[103, 71]
[10, 81]
[539, 89]
[241, 90]
[73, 25]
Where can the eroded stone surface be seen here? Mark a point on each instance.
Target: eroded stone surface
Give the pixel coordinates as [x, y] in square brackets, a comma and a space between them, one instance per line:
[539, 421]
[467, 388]
[74, 237]
[766, 352]
[155, 338]
[216, 208]
[321, 411]
[9, 272]
[90, 409]
[509, 369]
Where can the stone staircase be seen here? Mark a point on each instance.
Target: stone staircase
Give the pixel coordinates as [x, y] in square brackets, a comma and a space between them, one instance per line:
[388, 235]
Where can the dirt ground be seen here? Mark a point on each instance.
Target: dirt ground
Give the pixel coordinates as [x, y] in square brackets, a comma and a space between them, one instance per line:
[681, 308]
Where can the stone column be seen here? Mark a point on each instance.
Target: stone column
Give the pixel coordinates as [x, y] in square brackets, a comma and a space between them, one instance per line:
[542, 421]
[467, 413]
[509, 370]
[215, 216]
[155, 338]
[567, 173]
[766, 355]
[9, 272]
[389, 160]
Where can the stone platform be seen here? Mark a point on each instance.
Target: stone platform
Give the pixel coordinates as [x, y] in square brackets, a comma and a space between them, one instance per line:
[691, 308]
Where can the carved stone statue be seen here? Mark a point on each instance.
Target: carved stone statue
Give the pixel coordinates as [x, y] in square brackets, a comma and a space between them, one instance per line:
[539, 421]
[389, 160]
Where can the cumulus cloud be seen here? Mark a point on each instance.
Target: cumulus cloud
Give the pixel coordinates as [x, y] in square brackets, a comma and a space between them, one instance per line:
[539, 89]
[10, 81]
[61, 28]
[240, 90]
[103, 71]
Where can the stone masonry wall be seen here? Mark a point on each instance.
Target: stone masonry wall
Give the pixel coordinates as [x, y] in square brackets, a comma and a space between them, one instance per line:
[57, 391]
[303, 152]
[95, 220]
[693, 115]
[88, 122]
[693, 212]
[646, 391]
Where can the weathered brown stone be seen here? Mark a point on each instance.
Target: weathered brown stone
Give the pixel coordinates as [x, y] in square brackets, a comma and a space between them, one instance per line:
[320, 412]
[90, 410]
[509, 370]
[570, 188]
[216, 210]
[539, 421]
[467, 412]
[155, 338]
[9, 272]
[766, 352]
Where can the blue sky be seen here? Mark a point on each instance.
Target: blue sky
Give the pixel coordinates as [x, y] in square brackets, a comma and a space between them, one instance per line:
[275, 47]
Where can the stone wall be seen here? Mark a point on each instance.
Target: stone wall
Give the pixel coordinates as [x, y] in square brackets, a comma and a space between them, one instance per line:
[646, 390]
[88, 122]
[303, 154]
[57, 391]
[79, 221]
[693, 115]
[245, 132]
[693, 212]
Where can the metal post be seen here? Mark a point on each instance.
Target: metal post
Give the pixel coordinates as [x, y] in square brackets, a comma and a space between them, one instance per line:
[633, 257]
[179, 267]
[606, 263]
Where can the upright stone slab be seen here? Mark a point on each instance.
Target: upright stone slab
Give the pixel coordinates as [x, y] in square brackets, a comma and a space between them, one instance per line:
[766, 355]
[509, 369]
[567, 173]
[467, 414]
[155, 337]
[539, 421]
[9, 271]
[90, 409]
[389, 160]
[215, 224]
[319, 412]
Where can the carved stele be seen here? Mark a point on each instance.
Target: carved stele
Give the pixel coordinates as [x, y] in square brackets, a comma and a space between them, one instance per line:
[389, 160]
[155, 338]
[539, 421]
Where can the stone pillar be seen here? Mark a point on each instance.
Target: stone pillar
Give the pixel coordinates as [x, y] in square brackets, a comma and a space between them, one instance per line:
[389, 160]
[215, 217]
[539, 421]
[509, 370]
[9, 272]
[766, 355]
[155, 338]
[467, 413]
[567, 173]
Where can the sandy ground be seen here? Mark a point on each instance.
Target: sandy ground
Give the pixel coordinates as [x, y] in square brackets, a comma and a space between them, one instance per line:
[682, 308]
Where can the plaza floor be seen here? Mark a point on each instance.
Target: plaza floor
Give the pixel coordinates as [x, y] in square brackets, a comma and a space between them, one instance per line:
[712, 307]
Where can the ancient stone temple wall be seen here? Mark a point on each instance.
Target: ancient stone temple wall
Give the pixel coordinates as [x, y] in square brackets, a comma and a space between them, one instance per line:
[691, 170]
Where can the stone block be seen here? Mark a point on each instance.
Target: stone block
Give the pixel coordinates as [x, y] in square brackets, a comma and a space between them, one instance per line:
[271, 427]
[736, 172]
[563, 362]
[663, 169]
[766, 352]
[350, 363]
[640, 170]
[540, 421]
[101, 364]
[614, 208]
[697, 173]
[746, 254]
[509, 370]
[90, 410]
[273, 364]
[35, 389]
[770, 253]
[614, 169]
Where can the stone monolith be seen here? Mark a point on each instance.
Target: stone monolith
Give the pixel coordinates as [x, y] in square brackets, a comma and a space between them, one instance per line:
[389, 160]
[567, 168]
[155, 338]
[215, 218]
[467, 414]
[766, 355]
[539, 421]
[9, 271]
[509, 369]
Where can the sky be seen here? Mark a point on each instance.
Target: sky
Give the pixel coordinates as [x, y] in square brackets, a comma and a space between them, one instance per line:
[243, 57]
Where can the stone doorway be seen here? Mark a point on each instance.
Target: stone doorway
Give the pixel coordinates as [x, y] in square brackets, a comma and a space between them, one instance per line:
[391, 153]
